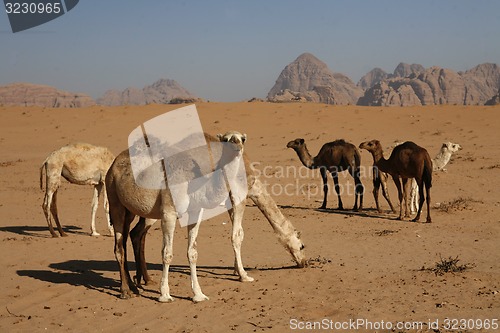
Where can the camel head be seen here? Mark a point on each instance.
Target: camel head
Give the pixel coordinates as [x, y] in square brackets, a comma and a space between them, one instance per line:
[296, 248]
[296, 144]
[235, 138]
[450, 147]
[372, 146]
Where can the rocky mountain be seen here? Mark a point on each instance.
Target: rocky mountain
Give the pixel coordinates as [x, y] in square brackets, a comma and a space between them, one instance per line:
[309, 79]
[434, 86]
[371, 78]
[162, 91]
[28, 94]
[404, 70]
[495, 100]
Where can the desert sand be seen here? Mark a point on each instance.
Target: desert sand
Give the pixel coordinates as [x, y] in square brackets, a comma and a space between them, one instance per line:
[364, 265]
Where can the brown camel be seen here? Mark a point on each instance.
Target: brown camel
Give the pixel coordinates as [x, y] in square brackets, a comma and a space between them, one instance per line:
[81, 164]
[407, 161]
[333, 157]
[127, 199]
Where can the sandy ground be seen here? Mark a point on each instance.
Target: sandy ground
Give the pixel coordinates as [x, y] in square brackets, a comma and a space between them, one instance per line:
[365, 265]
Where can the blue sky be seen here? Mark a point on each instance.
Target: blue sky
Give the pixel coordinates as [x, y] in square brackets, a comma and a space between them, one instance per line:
[235, 50]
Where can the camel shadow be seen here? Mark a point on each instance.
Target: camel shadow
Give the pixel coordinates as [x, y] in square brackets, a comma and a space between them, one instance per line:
[90, 274]
[40, 231]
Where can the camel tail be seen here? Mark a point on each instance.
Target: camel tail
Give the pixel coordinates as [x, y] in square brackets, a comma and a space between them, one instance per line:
[44, 166]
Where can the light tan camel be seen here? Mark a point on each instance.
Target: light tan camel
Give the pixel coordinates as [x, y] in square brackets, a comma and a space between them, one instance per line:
[407, 160]
[81, 164]
[128, 200]
[333, 157]
[439, 163]
[380, 180]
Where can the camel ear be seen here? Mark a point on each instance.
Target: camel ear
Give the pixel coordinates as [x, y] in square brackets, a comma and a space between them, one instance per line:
[301, 141]
[220, 136]
[445, 145]
[244, 137]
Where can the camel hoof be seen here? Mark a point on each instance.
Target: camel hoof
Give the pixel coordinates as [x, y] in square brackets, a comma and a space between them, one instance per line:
[200, 298]
[415, 220]
[64, 234]
[126, 295]
[246, 278]
[165, 299]
[400, 218]
[54, 235]
[95, 234]
[150, 282]
[429, 220]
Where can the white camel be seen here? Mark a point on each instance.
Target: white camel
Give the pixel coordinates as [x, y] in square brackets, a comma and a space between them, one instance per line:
[438, 164]
[128, 200]
[81, 164]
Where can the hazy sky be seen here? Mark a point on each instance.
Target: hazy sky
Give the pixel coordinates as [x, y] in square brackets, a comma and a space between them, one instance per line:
[235, 50]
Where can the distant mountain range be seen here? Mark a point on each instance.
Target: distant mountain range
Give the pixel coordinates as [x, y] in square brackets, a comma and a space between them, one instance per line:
[309, 79]
[306, 79]
[162, 91]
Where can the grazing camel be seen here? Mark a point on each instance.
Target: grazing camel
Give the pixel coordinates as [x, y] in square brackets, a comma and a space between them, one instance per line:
[438, 164]
[333, 157]
[127, 200]
[81, 164]
[406, 161]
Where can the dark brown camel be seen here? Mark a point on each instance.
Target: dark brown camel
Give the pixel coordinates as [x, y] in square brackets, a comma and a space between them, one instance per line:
[333, 157]
[407, 160]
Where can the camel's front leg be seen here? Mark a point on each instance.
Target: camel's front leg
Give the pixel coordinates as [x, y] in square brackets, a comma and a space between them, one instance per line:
[168, 227]
[376, 186]
[95, 204]
[192, 254]
[236, 215]
[385, 192]
[400, 196]
[406, 190]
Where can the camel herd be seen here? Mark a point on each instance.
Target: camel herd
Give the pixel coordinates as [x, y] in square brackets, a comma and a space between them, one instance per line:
[409, 165]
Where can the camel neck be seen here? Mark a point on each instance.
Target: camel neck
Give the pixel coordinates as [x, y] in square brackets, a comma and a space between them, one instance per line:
[305, 157]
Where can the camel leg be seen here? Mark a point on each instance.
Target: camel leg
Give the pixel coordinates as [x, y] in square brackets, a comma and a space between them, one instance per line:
[359, 191]
[121, 222]
[376, 186]
[192, 254]
[400, 196]
[53, 210]
[428, 198]
[406, 191]
[106, 208]
[138, 237]
[335, 177]
[47, 207]
[325, 187]
[95, 205]
[236, 215]
[168, 227]
[385, 193]
[414, 197]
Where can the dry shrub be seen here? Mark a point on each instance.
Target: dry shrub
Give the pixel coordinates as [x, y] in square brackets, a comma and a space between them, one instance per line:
[318, 262]
[449, 265]
[459, 203]
[385, 232]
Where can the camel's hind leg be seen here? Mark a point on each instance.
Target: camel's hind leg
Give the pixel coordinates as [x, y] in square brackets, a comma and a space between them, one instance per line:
[106, 208]
[358, 189]
[53, 209]
[138, 237]
[192, 254]
[95, 205]
[236, 214]
[335, 177]
[121, 220]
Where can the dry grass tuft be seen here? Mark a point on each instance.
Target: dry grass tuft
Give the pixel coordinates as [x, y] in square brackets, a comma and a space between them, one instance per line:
[385, 232]
[318, 262]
